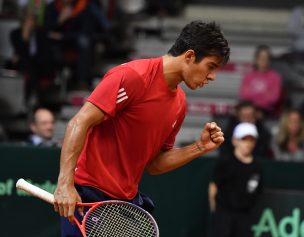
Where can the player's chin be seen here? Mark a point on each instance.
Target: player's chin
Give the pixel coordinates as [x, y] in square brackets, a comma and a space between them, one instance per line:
[193, 84]
[197, 86]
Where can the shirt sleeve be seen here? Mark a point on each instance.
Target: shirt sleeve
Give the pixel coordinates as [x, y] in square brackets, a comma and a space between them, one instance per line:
[169, 143]
[119, 88]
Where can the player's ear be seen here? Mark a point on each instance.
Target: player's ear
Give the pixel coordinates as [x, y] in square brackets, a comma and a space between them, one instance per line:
[190, 56]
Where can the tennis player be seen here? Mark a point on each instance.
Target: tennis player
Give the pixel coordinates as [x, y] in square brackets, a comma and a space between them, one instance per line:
[130, 121]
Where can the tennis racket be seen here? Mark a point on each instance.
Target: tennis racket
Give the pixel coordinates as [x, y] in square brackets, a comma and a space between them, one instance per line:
[105, 219]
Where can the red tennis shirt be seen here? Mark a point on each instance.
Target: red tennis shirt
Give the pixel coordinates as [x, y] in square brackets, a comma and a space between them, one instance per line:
[142, 118]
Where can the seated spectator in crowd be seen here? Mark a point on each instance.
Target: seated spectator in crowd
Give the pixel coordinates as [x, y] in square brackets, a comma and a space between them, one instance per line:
[245, 111]
[263, 85]
[31, 55]
[42, 127]
[296, 28]
[70, 25]
[236, 185]
[288, 143]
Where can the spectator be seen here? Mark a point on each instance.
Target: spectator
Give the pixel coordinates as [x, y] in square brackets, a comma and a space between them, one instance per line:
[296, 28]
[71, 25]
[236, 185]
[31, 55]
[263, 85]
[246, 112]
[42, 127]
[288, 144]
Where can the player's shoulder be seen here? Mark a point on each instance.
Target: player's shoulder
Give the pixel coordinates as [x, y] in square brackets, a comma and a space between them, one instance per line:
[146, 67]
[122, 69]
[125, 74]
[137, 69]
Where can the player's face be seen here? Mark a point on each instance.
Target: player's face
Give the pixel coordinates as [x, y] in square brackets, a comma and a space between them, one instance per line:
[198, 74]
[245, 145]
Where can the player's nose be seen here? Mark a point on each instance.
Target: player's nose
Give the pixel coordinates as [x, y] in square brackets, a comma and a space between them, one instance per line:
[211, 76]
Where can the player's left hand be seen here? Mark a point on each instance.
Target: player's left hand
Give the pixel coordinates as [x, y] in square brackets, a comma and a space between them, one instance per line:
[211, 137]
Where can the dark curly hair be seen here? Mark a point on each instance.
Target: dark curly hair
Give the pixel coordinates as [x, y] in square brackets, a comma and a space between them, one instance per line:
[206, 39]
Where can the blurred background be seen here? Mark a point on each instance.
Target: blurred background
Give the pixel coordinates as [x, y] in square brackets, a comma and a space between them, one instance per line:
[54, 52]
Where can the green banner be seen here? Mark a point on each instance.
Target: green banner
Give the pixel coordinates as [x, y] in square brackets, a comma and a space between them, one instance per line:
[23, 215]
[279, 214]
[180, 196]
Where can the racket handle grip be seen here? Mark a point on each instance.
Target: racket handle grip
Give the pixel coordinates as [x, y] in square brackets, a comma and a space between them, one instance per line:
[35, 191]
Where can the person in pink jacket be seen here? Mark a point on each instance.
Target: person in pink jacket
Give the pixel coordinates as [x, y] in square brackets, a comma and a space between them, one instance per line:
[262, 85]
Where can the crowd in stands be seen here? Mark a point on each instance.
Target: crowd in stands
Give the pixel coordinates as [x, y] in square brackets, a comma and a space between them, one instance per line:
[265, 95]
[262, 97]
[63, 36]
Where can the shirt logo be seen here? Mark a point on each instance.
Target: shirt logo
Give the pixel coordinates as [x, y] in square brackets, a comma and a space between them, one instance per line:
[122, 95]
[253, 183]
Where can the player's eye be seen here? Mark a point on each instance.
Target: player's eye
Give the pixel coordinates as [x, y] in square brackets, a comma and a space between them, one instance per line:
[211, 67]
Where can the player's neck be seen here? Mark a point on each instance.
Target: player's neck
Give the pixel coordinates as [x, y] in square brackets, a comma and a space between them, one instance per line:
[172, 71]
[247, 159]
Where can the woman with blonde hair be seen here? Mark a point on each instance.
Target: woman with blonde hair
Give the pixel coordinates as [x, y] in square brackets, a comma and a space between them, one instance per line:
[289, 141]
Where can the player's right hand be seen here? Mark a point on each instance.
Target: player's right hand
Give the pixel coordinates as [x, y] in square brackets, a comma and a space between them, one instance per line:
[211, 137]
[65, 199]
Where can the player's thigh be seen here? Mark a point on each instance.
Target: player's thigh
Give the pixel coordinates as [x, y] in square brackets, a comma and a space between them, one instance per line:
[69, 230]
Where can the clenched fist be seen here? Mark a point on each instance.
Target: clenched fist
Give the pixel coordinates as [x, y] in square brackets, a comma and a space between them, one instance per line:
[211, 137]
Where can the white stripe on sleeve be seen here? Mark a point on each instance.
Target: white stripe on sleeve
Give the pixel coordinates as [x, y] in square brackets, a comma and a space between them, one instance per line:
[121, 94]
[121, 99]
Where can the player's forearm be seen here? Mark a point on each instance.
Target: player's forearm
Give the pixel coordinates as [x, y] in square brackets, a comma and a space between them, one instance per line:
[73, 143]
[74, 139]
[175, 158]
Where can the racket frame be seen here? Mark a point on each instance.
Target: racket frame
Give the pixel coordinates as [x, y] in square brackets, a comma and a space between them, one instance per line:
[49, 198]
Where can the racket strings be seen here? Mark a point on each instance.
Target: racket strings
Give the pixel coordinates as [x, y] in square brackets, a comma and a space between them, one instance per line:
[102, 231]
[117, 232]
[119, 220]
